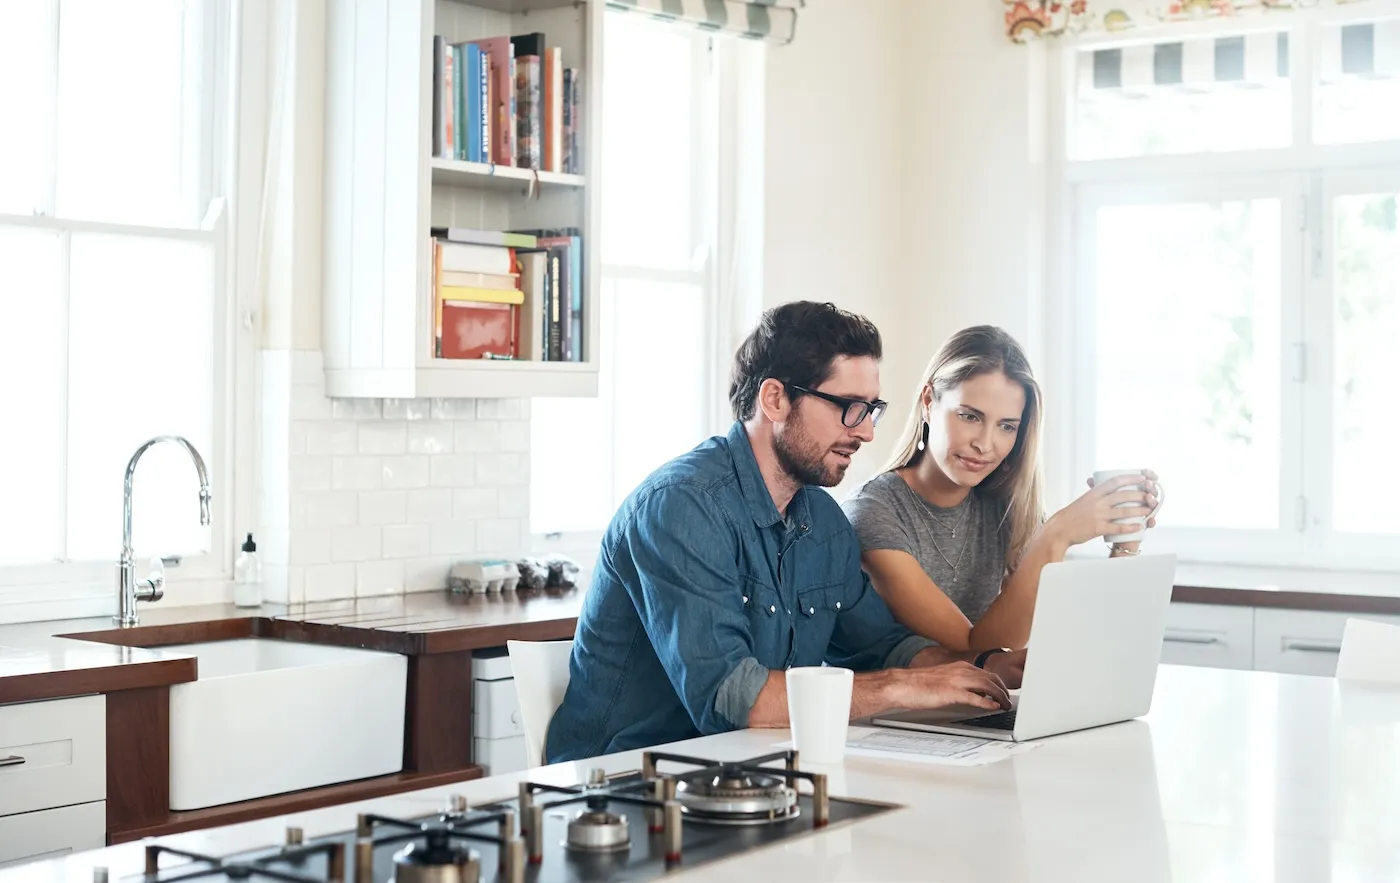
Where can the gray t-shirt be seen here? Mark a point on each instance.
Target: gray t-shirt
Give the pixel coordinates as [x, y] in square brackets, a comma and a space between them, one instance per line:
[962, 549]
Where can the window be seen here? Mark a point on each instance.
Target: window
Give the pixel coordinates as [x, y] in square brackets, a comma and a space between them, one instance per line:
[112, 244]
[1235, 279]
[657, 300]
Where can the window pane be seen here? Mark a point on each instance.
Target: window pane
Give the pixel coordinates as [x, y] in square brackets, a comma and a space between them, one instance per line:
[659, 371]
[647, 144]
[1358, 82]
[121, 118]
[140, 365]
[26, 57]
[1192, 96]
[31, 354]
[1366, 423]
[1188, 355]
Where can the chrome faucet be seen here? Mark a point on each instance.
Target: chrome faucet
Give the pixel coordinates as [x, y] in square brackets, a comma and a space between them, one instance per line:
[129, 591]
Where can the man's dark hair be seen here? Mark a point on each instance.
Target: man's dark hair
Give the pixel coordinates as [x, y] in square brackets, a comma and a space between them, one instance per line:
[797, 343]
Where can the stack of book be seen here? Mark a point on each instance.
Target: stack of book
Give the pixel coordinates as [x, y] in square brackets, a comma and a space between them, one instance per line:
[508, 101]
[508, 295]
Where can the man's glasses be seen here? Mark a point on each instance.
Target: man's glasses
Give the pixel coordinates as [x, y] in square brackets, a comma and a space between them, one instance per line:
[853, 411]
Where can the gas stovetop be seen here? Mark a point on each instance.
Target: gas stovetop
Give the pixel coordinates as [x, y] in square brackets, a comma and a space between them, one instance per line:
[636, 826]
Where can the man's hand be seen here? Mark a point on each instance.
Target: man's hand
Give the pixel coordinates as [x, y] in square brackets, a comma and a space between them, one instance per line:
[955, 683]
[1010, 667]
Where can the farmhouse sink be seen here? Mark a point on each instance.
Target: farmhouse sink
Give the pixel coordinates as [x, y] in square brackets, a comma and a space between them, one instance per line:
[267, 717]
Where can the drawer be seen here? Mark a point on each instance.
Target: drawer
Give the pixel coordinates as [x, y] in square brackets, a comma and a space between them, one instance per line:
[63, 746]
[1211, 635]
[500, 755]
[52, 833]
[495, 709]
[492, 664]
[1305, 642]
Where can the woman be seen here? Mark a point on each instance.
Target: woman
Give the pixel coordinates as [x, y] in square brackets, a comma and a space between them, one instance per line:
[952, 531]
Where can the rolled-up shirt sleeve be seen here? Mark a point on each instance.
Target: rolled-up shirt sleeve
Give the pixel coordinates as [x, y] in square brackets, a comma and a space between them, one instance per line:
[686, 589]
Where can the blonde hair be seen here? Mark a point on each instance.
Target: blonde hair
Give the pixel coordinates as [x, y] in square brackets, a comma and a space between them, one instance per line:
[1017, 483]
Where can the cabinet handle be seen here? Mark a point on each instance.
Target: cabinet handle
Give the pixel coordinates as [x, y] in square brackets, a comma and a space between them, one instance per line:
[12, 760]
[1305, 646]
[1191, 639]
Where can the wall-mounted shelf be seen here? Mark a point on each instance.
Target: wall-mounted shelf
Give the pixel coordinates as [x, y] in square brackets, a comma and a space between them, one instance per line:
[385, 190]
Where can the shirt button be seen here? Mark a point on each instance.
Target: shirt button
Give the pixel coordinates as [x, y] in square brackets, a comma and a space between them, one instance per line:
[745, 599]
[811, 611]
[838, 605]
[804, 528]
[773, 608]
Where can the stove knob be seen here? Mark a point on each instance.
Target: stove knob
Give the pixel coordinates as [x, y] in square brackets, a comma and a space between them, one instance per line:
[597, 778]
[294, 836]
[456, 803]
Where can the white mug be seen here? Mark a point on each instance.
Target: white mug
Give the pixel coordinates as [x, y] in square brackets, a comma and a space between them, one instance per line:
[819, 711]
[1136, 536]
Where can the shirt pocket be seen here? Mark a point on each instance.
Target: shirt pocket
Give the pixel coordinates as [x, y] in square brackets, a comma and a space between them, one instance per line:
[815, 621]
[768, 622]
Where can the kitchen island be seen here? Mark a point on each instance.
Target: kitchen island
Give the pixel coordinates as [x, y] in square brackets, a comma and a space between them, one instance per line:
[1233, 776]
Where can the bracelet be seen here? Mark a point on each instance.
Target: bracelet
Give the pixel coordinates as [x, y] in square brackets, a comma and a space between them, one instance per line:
[981, 660]
[1122, 550]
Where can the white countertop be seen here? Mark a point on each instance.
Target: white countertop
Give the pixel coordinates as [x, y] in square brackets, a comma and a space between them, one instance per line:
[1233, 776]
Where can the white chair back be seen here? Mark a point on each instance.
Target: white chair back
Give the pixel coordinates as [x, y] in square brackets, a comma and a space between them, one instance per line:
[1370, 652]
[541, 671]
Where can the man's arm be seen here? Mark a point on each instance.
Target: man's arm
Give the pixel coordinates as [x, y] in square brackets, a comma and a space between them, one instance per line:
[956, 683]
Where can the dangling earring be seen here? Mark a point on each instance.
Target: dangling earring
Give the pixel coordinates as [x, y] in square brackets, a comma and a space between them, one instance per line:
[923, 434]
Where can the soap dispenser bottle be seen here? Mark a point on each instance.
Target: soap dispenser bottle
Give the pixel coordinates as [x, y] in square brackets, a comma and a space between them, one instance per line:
[247, 576]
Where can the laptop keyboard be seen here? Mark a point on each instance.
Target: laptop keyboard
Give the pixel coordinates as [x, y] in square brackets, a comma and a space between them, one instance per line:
[1004, 720]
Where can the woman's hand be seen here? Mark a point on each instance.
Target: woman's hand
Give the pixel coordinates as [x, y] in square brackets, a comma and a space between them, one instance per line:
[1093, 514]
[1151, 486]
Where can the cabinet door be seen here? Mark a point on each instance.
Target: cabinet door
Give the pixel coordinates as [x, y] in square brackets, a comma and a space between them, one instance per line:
[52, 753]
[52, 833]
[1305, 642]
[1212, 635]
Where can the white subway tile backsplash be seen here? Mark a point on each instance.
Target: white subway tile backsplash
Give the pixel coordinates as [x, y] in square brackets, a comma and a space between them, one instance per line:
[474, 502]
[408, 541]
[383, 507]
[378, 578]
[357, 473]
[308, 368]
[331, 437]
[427, 506]
[356, 409]
[453, 470]
[454, 409]
[513, 501]
[307, 473]
[328, 509]
[475, 438]
[430, 437]
[427, 574]
[408, 409]
[326, 582]
[356, 543]
[514, 436]
[500, 536]
[389, 437]
[310, 403]
[500, 409]
[296, 436]
[501, 470]
[453, 537]
[405, 472]
[309, 545]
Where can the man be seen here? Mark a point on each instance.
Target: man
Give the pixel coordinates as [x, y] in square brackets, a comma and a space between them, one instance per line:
[726, 567]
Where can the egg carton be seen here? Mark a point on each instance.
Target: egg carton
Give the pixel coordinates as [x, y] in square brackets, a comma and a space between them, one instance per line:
[483, 575]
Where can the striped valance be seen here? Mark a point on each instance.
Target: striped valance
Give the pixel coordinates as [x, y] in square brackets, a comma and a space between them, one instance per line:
[772, 20]
[1027, 20]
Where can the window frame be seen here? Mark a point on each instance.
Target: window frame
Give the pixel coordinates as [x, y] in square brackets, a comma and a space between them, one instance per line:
[1308, 175]
[74, 588]
[708, 178]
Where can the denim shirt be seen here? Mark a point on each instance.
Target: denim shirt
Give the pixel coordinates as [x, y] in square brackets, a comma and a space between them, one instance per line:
[701, 588]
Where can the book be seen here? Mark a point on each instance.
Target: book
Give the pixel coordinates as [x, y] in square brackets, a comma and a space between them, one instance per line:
[484, 237]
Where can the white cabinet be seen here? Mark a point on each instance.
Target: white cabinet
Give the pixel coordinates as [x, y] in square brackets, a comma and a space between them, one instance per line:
[1210, 635]
[498, 733]
[53, 778]
[52, 833]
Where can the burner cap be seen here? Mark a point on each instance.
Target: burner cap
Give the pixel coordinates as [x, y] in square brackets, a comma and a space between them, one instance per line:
[598, 831]
[735, 796]
[436, 860]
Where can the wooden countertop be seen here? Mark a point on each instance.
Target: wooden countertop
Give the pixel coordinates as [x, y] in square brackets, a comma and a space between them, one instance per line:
[47, 660]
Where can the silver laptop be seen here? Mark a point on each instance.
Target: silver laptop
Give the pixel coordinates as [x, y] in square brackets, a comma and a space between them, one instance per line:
[1092, 658]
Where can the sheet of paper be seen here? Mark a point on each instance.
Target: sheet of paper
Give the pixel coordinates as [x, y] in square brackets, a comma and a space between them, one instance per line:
[934, 748]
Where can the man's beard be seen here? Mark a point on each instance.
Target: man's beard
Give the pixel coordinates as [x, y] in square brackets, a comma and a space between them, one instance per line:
[802, 460]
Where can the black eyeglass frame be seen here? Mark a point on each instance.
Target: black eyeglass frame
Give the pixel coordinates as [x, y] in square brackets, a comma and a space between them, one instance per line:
[875, 410]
